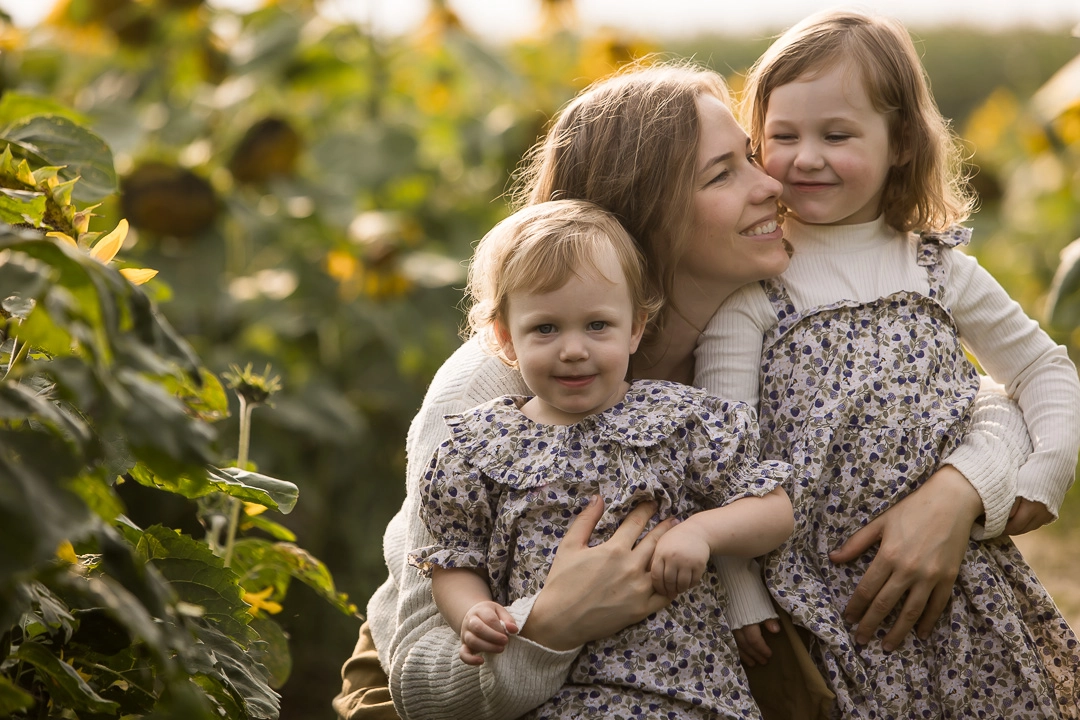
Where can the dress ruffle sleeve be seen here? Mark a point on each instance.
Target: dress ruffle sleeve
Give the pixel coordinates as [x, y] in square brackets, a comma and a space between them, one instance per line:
[724, 451]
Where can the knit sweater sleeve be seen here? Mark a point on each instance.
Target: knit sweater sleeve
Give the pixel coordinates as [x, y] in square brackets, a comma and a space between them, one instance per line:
[727, 364]
[1034, 370]
[420, 651]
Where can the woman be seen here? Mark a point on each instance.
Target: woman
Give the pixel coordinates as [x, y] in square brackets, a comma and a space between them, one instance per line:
[659, 147]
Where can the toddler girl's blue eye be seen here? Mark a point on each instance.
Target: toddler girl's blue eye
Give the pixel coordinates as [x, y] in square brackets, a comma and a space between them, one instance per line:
[597, 325]
[545, 329]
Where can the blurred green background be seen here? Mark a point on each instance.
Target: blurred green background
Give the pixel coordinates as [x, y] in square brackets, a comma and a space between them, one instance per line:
[309, 191]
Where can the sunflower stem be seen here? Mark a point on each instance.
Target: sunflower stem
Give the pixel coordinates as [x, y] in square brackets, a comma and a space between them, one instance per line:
[241, 462]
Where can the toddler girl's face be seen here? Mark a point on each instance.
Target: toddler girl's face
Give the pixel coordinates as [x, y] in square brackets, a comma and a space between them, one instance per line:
[573, 344]
[829, 146]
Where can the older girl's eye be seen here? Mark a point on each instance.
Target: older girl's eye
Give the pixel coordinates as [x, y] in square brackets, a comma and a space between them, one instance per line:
[545, 329]
[836, 137]
[597, 325]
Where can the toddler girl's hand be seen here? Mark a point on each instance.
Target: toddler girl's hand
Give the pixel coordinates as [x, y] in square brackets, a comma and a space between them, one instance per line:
[679, 560]
[486, 628]
[1027, 515]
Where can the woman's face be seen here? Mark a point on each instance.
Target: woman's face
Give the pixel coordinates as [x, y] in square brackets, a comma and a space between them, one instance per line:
[736, 237]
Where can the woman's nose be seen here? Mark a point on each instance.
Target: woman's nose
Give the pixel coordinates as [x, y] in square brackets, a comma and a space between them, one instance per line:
[768, 187]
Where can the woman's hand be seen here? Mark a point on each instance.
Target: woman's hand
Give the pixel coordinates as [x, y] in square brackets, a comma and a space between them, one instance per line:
[1027, 515]
[753, 648]
[922, 539]
[593, 592]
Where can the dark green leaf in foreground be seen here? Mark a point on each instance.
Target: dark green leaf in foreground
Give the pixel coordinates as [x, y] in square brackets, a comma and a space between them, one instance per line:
[67, 688]
[247, 486]
[13, 698]
[262, 563]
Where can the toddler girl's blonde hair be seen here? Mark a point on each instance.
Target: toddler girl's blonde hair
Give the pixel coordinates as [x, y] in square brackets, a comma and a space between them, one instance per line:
[538, 249]
[926, 189]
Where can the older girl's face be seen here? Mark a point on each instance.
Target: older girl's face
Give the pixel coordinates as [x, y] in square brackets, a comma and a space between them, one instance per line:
[736, 237]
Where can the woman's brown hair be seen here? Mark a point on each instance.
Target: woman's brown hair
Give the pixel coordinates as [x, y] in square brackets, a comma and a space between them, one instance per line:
[629, 143]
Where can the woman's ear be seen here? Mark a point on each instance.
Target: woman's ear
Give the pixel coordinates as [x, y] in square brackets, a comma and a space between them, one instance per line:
[506, 343]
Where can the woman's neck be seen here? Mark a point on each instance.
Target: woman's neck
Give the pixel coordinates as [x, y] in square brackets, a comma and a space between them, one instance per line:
[670, 355]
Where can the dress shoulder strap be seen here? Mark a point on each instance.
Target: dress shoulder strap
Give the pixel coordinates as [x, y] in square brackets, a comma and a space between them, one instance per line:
[781, 303]
[931, 245]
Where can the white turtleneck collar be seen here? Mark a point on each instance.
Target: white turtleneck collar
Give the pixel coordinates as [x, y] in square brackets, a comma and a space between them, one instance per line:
[831, 238]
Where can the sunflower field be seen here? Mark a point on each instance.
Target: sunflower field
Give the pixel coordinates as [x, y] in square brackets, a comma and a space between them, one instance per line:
[232, 246]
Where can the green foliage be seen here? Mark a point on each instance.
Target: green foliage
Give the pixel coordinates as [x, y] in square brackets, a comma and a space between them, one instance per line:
[99, 617]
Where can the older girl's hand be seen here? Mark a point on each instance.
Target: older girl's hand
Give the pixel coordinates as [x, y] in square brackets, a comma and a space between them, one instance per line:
[754, 649]
[922, 539]
[593, 592]
[1027, 515]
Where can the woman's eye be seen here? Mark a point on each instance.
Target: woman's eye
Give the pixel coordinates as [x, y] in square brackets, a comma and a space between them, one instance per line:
[720, 177]
[597, 325]
[545, 329]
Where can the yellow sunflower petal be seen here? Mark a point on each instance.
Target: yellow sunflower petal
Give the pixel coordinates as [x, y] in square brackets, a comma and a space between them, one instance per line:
[66, 552]
[137, 276]
[258, 601]
[106, 248]
[63, 237]
[252, 509]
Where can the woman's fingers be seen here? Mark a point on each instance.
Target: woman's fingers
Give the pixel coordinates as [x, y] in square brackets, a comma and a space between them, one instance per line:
[581, 527]
[593, 592]
[923, 539]
[865, 538]
[914, 607]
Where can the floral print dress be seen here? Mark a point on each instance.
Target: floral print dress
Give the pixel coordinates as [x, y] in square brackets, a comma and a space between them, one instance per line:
[501, 492]
[865, 399]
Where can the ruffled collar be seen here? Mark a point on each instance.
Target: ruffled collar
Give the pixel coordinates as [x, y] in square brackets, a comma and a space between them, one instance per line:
[511, 448]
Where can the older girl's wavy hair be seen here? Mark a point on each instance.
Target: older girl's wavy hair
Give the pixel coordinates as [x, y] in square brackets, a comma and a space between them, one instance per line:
[629, 144]
[538, 249]
[927, 188]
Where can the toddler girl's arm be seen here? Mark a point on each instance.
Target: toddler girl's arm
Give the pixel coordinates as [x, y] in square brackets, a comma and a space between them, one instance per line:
[747, 527]
[464, 599]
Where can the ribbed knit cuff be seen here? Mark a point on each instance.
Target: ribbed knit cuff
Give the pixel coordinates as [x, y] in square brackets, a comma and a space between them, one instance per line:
[506, 686]
[748, 601]
[996, 445]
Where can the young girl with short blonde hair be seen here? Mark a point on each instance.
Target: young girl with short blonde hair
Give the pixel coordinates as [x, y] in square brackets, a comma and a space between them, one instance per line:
[558, 291]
